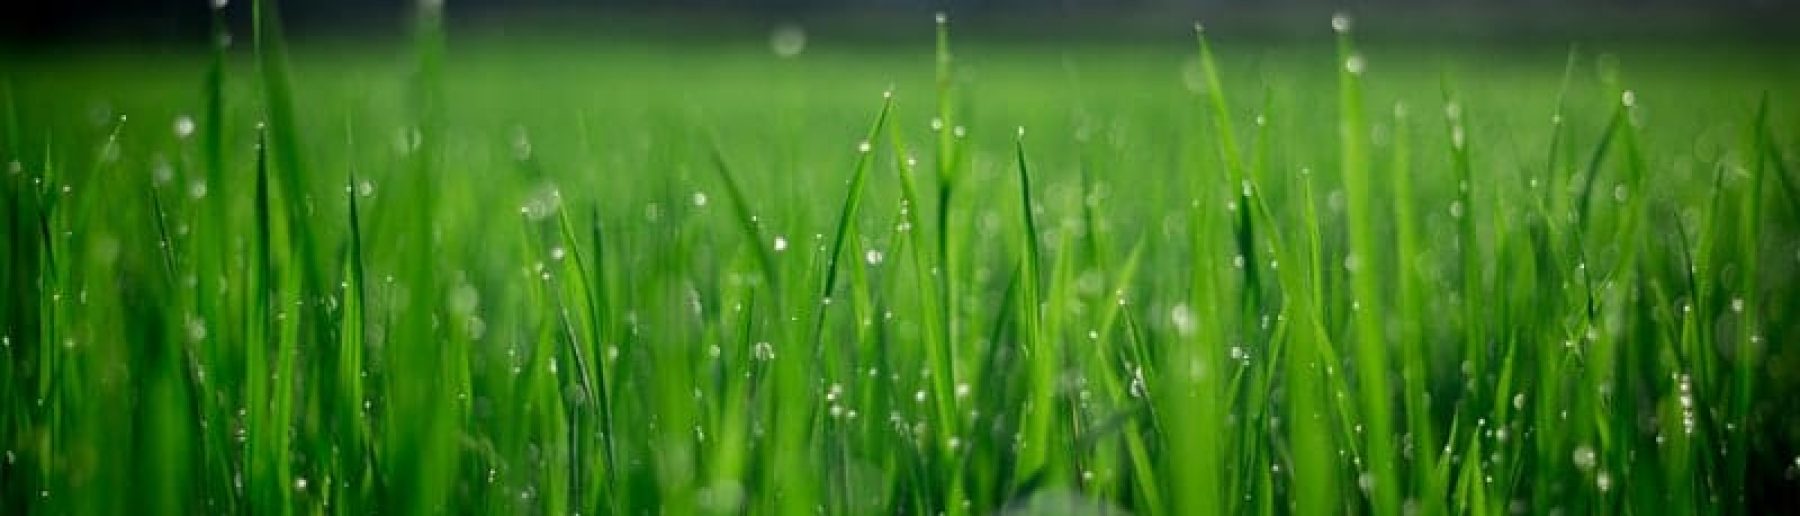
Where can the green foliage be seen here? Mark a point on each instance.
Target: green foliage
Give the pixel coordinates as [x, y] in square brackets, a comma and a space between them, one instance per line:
[543, 288]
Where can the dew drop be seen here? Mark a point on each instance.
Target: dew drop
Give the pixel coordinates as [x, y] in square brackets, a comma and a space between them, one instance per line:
[1585, 458]
[1340, 23]
[787, 40]
[196, 328]
[184, 126]
[1183, 319]
[162, 173]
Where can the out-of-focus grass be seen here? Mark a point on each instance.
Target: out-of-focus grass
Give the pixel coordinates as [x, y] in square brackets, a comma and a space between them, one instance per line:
[701, 277]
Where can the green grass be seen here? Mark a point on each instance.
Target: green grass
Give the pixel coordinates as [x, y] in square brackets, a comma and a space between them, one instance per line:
[636, 277]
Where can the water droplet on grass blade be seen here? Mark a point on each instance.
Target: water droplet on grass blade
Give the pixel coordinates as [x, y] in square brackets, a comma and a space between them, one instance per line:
[873, 257]
[542, 204]
[161, 173]
[1355, 64]
[1340, 23]
[464, 299]
[787, 40]
[1183, 319]
[780, 244]
[184, 126]
[1585, 458]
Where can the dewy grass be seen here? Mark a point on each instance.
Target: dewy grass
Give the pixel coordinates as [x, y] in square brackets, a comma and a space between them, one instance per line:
[1514, 304]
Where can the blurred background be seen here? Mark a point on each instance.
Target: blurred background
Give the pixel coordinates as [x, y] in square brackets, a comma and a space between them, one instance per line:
[141, 21]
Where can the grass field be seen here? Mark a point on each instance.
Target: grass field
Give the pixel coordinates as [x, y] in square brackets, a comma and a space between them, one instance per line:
[952, 275]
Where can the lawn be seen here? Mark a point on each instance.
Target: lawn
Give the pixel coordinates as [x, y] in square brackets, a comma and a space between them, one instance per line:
[939, 273]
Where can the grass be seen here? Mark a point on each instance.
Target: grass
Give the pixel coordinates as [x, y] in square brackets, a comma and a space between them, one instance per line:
[523, 278]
